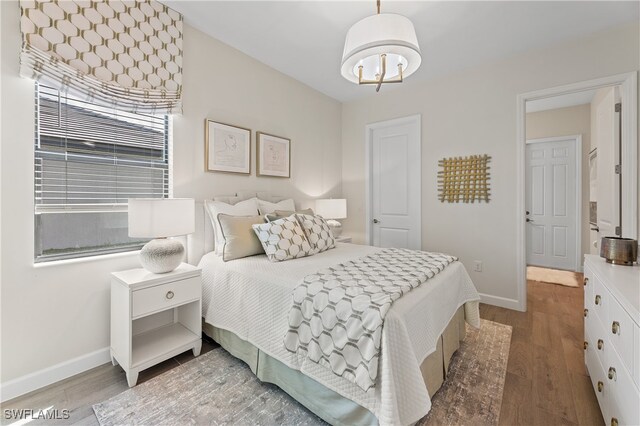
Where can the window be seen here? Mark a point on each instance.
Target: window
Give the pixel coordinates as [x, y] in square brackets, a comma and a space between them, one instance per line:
[89, 160]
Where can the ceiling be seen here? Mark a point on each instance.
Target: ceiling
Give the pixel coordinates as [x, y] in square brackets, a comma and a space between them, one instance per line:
[304, 39]
[562, 101]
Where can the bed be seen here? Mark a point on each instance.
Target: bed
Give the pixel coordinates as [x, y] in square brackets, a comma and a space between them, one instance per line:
[245, 307]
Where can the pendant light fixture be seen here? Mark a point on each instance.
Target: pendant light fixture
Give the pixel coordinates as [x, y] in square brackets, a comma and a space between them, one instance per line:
[380, 49]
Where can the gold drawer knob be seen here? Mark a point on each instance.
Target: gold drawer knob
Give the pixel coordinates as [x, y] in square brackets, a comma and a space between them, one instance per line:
[600, 344]
[612, 373]
[586, 345]
[598, 298]
[586, 281]
[586, 312]
[170, 294]
[614, 421]
[600, 386]
[615, 327]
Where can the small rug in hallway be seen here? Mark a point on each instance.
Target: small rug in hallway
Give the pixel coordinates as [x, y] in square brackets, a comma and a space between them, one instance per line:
[553, 276]
[217, 388]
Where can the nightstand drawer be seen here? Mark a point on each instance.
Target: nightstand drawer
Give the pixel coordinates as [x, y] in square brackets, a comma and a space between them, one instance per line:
[160, 297]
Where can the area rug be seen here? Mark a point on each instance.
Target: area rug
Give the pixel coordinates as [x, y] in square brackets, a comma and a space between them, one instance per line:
[553, 276]
[216, 388]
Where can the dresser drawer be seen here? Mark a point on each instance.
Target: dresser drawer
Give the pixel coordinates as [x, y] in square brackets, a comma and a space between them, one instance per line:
[588, 286]
[636, 355]
[624, 399]
[600, 301]
[157, 298]
[596, 373]
[601, 343]
[620, 329]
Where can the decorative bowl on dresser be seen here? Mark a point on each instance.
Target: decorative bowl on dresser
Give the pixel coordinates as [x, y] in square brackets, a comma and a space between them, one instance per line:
[612, 338]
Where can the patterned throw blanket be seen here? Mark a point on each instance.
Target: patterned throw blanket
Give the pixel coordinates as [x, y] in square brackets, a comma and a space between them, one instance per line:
[338, 313]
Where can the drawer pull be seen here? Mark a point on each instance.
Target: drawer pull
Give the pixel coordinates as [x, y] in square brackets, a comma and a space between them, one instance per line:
[600, 344]
[600, 386]
[586, 345]
[612, 373]
[586, 281]
[615, 327]
[586, 312]
[170, 294]
[598, 298]
[614, 421]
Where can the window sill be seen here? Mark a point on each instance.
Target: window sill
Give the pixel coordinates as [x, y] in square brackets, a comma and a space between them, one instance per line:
[85, 259]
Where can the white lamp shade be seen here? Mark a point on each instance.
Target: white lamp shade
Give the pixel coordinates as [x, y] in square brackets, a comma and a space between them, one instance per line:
[388, 33]
[161, 217]
[334, 208]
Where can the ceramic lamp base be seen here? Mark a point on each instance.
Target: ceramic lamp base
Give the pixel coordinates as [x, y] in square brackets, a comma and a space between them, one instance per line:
[161, 255]
[336, 227]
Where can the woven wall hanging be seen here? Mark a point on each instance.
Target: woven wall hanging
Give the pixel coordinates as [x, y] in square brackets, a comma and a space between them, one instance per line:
[464, 179]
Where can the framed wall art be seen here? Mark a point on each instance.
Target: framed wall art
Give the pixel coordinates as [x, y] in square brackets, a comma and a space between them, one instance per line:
[227, 148]
[274, 155]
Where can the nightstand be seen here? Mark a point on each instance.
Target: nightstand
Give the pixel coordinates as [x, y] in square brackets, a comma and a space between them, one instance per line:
[343, 239]
[154, 317]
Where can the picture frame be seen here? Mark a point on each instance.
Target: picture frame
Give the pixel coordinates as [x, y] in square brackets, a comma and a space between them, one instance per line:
[273, 155]
[227, 148]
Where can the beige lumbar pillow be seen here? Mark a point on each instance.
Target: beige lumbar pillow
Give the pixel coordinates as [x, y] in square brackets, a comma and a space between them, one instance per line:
[266, 207]
[279, 214]
[239, 240]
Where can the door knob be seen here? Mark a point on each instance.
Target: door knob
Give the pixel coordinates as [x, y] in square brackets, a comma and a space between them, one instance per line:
[376, 221]
[529, 220]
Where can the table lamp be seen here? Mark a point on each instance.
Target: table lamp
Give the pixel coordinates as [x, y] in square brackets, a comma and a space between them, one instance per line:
[332, 209]
[160, 218]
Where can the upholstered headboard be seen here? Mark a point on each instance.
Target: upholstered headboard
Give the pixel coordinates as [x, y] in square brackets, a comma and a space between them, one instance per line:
[201, 241]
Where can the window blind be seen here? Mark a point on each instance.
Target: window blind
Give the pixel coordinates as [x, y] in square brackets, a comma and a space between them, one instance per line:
[91, 158]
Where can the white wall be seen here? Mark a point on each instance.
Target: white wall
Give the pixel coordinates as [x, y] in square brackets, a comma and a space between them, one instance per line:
[474, 112]
[56, 312]
[575, 120]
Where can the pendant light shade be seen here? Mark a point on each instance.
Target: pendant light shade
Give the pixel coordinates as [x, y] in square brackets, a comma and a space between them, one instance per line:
[380, 49]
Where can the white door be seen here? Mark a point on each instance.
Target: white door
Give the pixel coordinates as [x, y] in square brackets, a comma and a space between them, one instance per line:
[552, 239]
[608, 183]
[395, 183]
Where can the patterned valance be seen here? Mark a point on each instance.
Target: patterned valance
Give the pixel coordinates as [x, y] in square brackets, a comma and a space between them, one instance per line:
[121, 53]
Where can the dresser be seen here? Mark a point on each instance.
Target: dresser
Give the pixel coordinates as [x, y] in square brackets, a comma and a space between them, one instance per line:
[612, 338]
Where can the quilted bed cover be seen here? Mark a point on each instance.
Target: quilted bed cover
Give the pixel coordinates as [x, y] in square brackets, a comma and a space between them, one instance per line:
[251, 297]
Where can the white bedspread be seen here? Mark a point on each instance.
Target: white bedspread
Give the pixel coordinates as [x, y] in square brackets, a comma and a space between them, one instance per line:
[251, 297]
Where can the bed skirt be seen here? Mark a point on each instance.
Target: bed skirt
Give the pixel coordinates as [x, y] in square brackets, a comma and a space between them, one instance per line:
[325, 403]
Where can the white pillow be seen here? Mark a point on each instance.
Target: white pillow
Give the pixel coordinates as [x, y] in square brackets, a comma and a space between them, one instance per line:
[214, 208]
[283, 239]
[266, 207]
[317, 231]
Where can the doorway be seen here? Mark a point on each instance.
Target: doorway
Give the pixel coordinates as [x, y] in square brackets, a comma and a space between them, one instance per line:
[394, 183]
[627, 86]
[553, 178]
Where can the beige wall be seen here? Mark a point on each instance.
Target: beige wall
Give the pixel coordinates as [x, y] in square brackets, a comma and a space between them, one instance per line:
[474, 112]
[575, 120]
[54, 313]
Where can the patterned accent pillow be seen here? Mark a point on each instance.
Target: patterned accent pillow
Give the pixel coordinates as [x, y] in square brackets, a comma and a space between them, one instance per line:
[283, 239]
[317, 231]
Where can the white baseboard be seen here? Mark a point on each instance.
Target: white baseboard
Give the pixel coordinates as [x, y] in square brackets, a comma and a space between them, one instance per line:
[502, 302]
[55, 373]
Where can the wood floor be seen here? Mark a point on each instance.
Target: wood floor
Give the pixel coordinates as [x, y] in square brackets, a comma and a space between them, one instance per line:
[546, 381]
